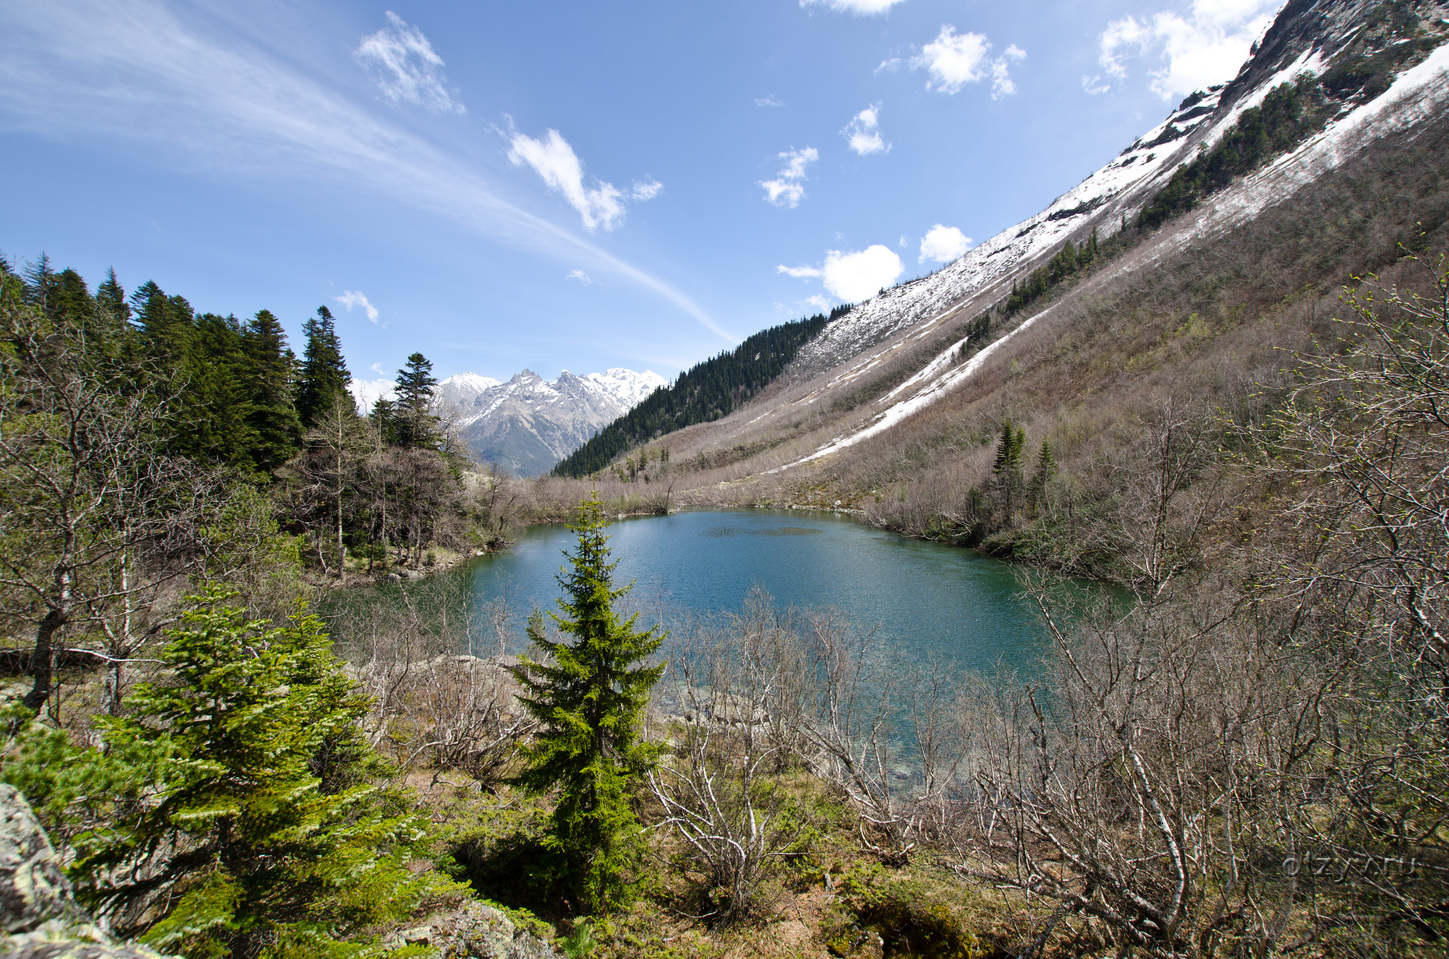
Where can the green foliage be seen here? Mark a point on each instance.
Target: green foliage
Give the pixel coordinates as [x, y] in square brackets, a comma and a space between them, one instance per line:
[913, 916]
[1288, 115]
[705, 392]
[324, 376]
[588, 692]
[267, 385]
[413, 425]
[1067, 262]
[232, 814]
[1008, 449]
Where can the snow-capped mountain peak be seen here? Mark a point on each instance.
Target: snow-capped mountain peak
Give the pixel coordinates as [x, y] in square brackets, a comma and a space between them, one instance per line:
[528, 423]
[626, 386]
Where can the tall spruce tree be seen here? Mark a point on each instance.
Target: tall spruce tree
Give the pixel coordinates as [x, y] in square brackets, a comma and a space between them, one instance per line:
[588, 692]
[324, 372]
[268, 381]
[111, 298]
[415, 426]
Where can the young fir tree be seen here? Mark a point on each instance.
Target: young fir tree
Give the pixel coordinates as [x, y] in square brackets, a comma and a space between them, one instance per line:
[588, 692]
[231, 814]
[1046, 468]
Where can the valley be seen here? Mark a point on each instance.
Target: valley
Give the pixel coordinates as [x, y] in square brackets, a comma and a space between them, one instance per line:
[1086, 596]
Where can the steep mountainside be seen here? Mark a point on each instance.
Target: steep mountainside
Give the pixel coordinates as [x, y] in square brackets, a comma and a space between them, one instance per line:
[901, 400]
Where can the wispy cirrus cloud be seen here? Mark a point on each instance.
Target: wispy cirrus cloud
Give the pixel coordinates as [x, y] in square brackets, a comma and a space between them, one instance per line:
[405, 67]
[555, 161]
[770, 101]
[863, 132]
[1193, 50]
[353, 298]
[787, 189]
[214, 104]
[954, 61]
[861, 8]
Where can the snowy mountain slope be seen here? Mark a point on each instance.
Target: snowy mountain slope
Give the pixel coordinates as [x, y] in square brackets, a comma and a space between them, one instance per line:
[528, 424]
[1416, 95]
[893, 379]
[1305, 38]
[462, 389]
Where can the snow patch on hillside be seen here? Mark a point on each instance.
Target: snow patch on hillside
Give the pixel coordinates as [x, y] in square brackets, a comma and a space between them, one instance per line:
[1011, 252]
[1416, 95]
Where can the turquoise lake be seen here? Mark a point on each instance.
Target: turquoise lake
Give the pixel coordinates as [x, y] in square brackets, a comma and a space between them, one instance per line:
[924, 599]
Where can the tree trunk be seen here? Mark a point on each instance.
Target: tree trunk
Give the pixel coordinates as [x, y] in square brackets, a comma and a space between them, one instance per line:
[40, 658]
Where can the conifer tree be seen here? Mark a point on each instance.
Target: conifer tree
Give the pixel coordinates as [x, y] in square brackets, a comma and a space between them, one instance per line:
[324, 372]
[588, 692]
[1046, 468]
[1008, 449]
[212, 833]
[268, 382]
[416, 426]
[111, 298]
[1006, 473]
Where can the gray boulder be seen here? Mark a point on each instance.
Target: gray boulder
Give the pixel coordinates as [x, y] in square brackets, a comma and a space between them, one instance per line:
[476, 930]
[38, 912]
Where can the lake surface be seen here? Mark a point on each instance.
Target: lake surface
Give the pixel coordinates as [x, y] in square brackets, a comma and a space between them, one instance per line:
[924, 598]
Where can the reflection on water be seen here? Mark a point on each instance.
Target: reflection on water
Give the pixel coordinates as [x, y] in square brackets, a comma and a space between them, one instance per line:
[923, 599]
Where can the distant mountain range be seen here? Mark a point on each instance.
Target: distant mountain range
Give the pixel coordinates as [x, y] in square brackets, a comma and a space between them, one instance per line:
[528, 424]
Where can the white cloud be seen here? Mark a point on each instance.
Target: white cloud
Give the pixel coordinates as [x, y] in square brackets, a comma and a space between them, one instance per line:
[954, 60]
[1001, 82]
[788, 187]
[141, 73]
[855, 276]
[817, 301]
[889, 66]
[553, 159]
[581, 276]
[943, 244]
[861, 8]
[863, 132]
[645, 190]
[405, 68]
[365, 393]
[769, 101]
[352, 298]
[1196, 50]
[377, 368]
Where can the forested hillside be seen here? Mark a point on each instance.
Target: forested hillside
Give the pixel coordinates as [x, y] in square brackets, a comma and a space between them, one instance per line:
[172, 402]
[704, 392]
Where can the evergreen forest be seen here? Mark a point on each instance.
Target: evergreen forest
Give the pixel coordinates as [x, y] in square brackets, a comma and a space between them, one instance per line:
[702, 393]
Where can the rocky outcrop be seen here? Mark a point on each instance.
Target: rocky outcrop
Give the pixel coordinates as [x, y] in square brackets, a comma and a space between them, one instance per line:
[475, 930]
[42, 920]
[40, 915]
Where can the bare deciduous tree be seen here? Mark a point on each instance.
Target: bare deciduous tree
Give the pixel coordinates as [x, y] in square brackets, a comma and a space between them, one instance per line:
[96, 520]
[435, 667]
[740, 688]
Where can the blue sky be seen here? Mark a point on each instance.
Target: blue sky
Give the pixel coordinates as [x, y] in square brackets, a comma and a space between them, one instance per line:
[565, 185]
